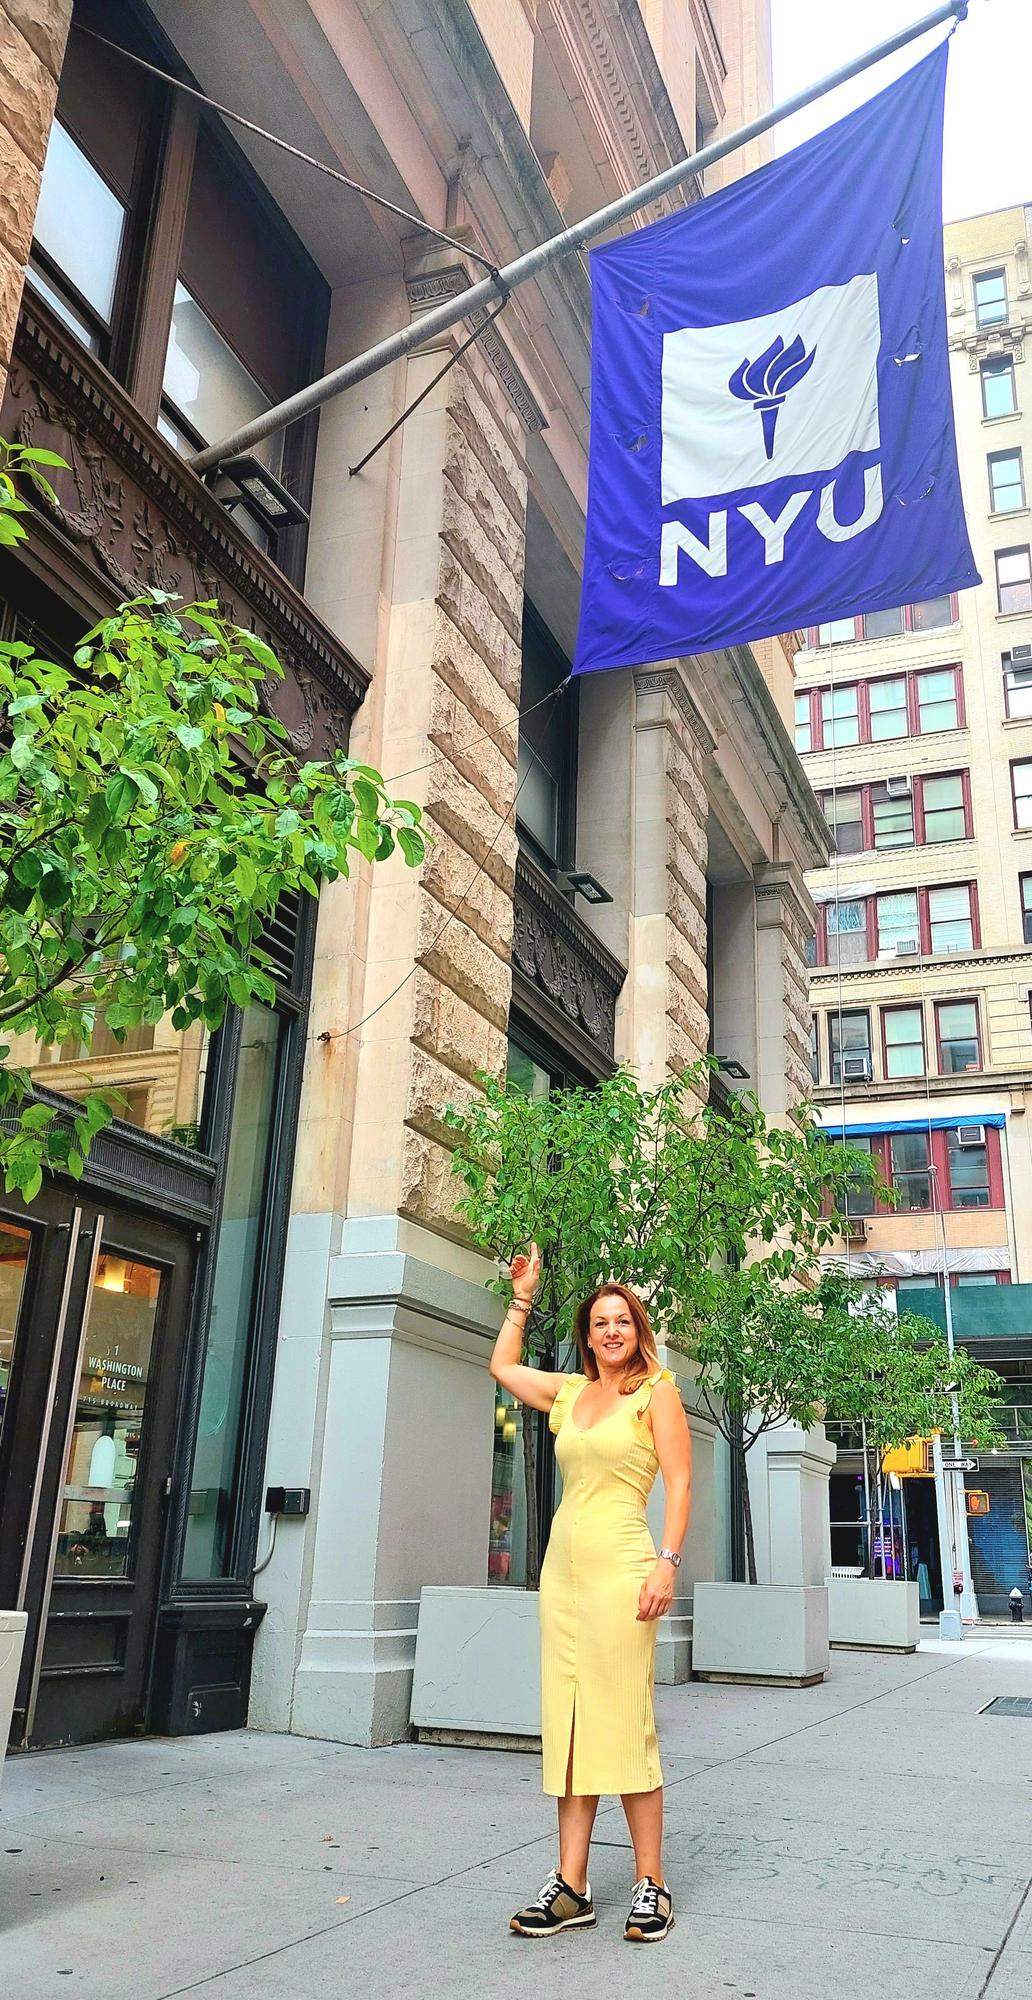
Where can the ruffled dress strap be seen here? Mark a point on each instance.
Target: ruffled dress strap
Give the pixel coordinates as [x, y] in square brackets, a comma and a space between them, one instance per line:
[568, 1392]
[642, 1397]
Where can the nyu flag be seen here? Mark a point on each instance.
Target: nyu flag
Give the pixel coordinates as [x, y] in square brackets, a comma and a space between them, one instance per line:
[771, 426]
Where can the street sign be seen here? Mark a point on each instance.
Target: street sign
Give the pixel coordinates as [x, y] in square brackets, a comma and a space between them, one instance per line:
[960, 1465]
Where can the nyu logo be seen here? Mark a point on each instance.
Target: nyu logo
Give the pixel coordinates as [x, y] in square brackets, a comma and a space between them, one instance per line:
[766, 382]
[817, 401]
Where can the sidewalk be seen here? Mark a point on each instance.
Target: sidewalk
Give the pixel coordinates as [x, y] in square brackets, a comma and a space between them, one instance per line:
[869, 1837]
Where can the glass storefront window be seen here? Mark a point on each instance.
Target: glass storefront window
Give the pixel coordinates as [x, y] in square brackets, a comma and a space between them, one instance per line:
[95, 1526]
[14, 1262]
[213, 1487]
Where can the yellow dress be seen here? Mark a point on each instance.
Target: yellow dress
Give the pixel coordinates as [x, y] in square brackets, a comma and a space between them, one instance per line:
[597, 1657]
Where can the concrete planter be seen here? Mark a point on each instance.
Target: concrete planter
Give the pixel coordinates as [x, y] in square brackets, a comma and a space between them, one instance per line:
[873, 1614]
[12, 1639]
[478, 1665]
[478, 1672]
[771, 1634]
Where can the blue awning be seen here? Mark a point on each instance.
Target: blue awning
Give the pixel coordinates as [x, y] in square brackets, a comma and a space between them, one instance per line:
[997, 1119]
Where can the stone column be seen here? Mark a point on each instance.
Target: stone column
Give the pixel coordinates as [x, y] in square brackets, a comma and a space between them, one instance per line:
[32, 42]
[668, 1027]
[403, 1436]
[785, 917]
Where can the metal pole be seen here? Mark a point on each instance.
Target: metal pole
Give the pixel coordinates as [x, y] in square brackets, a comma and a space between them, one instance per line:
[498, 286]
[968, 1600]
[950, 1626]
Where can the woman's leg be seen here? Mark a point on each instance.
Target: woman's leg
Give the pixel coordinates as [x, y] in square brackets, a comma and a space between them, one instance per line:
[644, 1813]
[576, 1819]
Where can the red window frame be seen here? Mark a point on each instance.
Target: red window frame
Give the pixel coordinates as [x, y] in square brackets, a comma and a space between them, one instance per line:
[959, 1000]
[1015, 763]
[911, 676]
[827, 798]
[903, 1007]
[938, 1166]
[823, 962]
[860, 623]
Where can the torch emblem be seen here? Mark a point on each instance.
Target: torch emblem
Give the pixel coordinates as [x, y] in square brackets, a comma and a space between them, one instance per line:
[766, 381]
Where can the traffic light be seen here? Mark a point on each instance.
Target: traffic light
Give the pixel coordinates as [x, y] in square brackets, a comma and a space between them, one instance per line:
[912, 1459]
[977, 1501]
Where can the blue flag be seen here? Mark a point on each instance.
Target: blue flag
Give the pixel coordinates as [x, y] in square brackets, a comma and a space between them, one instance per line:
[771, 426]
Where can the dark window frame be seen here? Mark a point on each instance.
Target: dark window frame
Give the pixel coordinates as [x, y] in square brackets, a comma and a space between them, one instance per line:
[995, 458]
[990, 318]
[903, 1007]
[868, 802]
[859, 623]
[959, 1000]
[924, 921]
[990, 369]
[1023, 583]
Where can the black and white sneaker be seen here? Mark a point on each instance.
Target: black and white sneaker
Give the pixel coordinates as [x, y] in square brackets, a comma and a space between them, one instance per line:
[557, 1908]
[651, 1913]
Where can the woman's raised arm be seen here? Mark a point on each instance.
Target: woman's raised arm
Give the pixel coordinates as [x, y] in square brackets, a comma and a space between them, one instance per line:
[537, 1387]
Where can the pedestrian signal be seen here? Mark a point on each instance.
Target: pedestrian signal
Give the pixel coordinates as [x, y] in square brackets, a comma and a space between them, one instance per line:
[911, 1459]
[977, 1502]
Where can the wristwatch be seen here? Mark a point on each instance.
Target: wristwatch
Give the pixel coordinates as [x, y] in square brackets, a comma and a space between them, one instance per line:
[670, 1556]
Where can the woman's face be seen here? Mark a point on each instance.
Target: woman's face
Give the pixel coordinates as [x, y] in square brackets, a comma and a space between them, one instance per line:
[611, 1333]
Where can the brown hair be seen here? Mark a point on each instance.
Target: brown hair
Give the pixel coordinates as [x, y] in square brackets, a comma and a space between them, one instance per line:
[647, 1360]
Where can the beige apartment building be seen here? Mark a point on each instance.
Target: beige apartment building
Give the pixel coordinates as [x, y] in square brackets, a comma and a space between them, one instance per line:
[915, 728]
[261, 1287]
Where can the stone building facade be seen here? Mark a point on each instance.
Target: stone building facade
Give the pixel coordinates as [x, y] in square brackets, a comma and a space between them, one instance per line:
[445, 572]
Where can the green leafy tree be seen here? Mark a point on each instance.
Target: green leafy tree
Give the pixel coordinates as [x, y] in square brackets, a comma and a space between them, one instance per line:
[152, 814]
[655, 1188]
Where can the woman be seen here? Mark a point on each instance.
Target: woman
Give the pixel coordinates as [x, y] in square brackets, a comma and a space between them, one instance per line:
[603, 1588]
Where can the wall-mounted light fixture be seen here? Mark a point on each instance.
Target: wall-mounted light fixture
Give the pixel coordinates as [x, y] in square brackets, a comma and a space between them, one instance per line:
[730, 1066]
[247, 479]
[588, 886]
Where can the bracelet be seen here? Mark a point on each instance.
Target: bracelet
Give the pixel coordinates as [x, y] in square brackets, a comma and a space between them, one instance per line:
[670, 1556]
[521, 1305]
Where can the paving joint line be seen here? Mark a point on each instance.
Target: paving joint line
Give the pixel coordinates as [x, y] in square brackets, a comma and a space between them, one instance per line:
[1004, 1942]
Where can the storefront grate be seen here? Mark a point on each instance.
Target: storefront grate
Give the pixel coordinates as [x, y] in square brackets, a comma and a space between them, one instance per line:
[1009, 1704]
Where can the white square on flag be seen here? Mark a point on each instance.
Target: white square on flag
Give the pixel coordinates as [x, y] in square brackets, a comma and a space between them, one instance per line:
[716, 441]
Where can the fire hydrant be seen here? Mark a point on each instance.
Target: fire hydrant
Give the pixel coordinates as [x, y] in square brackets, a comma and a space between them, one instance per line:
[1017, 1609]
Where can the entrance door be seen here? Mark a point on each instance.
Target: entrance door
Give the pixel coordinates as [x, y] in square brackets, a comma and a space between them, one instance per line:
[93, 1315]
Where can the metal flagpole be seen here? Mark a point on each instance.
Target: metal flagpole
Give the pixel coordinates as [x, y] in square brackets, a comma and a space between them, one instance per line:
[499, 285]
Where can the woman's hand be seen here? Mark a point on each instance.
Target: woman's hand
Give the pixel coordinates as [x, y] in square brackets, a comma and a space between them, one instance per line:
[657, 1593]
[525, 1273]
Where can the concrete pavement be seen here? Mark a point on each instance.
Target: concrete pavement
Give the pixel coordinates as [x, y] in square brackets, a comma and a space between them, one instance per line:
[869, 1837]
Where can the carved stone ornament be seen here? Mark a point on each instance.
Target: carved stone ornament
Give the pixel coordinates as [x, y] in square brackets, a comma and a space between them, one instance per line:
[130, 516]
[563, 959]
[431, 289]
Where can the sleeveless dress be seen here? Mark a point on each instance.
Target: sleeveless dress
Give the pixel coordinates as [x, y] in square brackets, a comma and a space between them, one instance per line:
[597, 1658]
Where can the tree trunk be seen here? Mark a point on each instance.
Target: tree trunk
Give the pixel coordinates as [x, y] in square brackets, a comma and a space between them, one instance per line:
[531, 1493]
[750, 1545]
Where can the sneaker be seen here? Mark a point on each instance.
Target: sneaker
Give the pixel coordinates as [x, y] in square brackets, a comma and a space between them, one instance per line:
[651, 1913]
[557, 1908]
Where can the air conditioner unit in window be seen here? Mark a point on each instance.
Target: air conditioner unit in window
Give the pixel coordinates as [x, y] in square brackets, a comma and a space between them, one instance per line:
[971, 1135]
[856, 1069]
[1020, 677]
[898, 788]
[1020, 653]
[908, 947]
[855, 1228]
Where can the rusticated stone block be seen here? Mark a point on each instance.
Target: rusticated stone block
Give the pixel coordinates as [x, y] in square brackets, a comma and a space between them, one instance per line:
[497, 574]
[451, 876]
[469, 609]
[493, 702]
[446, 1026]
[429, 1190]
[19, 193]
[485, 437]
[454, 954]
[454, 804]
[466, 472]
[28, 92]
[44, 23]
[12, 277]
[432, 1088]
[458, 735]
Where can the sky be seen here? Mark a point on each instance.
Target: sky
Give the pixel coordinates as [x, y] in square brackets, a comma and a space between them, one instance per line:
[988, 150]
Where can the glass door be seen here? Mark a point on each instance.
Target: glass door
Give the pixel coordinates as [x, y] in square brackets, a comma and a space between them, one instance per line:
[91, 1350]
